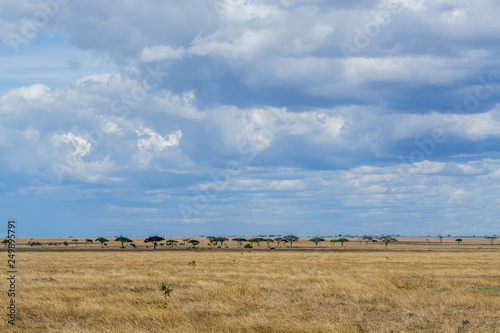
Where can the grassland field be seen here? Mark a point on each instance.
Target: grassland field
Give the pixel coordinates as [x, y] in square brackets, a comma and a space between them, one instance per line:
[414, 285]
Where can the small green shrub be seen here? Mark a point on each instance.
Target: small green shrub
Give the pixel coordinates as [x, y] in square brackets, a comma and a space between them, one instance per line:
[192, 263]
[166, 289]
[248, 246]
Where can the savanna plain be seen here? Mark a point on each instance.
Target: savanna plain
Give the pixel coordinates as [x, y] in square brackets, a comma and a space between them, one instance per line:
[358, 287]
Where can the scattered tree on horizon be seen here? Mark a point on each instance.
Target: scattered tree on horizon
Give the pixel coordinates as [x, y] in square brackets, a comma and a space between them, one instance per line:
[256, 240]
[342, 241]
[5, 242]
[491, 239]
[194, 242]
[221, 240]
[154, 239]
[212, 240]
[367, 239]
[239, 240]
[440, 239]
[278, 240]
[387, 239]
[102, 240]
[88, 240]
[75, 240]
[268, 241]
[185, 240]
[316, 240]
[123, 240]
[171, 242]
[291, 239]
[458, 240]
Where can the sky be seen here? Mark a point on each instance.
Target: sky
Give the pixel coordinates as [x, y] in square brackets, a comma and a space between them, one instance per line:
[249, 117]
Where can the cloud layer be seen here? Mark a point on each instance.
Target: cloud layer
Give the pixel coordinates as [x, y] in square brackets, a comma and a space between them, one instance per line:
[293, 116]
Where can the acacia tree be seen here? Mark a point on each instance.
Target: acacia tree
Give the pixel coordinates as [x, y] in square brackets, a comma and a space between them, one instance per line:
[278, 240]
[5, 242]
[185, 240]
[256, 240]
[221, 240]
[239, 241]
[291, 239]
[194, 242]
[440, 239]
[212, 240]
[88, 240]
[316, 240]
[333, 241]
[75, 240]
[367, 239]
[458, 240]
[123, 240]
[491, 239]
[268, 241]
[387, 239]
[171, 242]
[342, 241]
[102, 241]
[154, 239]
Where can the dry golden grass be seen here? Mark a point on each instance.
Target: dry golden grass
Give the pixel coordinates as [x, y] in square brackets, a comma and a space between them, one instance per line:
[455, 289]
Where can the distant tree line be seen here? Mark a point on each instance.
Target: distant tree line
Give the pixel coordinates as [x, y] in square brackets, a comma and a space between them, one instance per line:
[249, 242]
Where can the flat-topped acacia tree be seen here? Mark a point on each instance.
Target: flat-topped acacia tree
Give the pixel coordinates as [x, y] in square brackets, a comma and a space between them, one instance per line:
[367, 239]
[102, 240]
[221, 240]
[212, 240]
[387, 239]
[342, 241]
[88, 240]
[5, 242]
[239, 240]
[256, 240]
[194, 242]
[278, 240]
[316, 240]
[491, 239]
[268, 241]
[171, 242]
[154, 239]
[123, 240]
[291, 239]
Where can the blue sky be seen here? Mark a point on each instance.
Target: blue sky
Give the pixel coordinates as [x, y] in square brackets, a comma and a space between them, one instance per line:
[248, 117]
